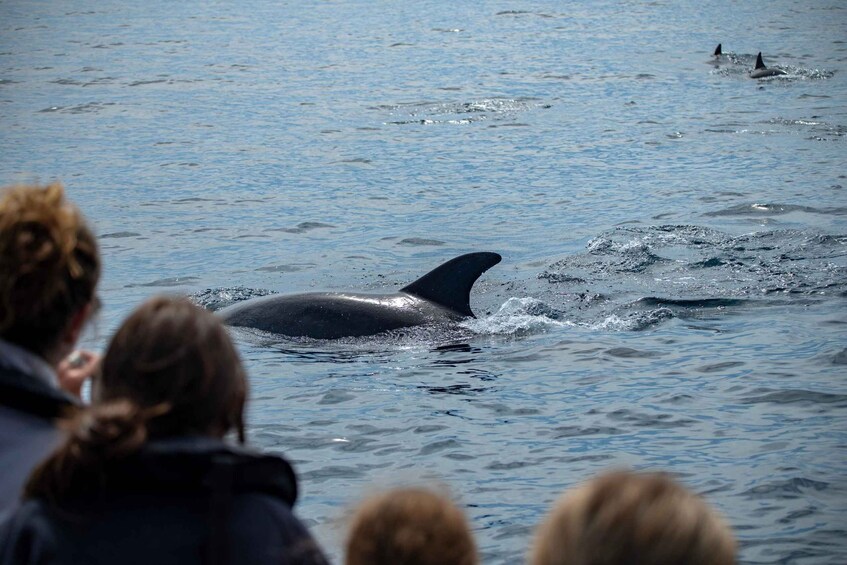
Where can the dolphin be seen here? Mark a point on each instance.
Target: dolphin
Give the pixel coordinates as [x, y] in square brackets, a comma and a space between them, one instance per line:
[441, 295]
[718, 52]
[761, 71]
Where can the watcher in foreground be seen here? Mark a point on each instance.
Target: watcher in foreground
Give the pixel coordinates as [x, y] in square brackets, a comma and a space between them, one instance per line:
[145, 475]
[49, 268]
[410, 527]
[634, 519]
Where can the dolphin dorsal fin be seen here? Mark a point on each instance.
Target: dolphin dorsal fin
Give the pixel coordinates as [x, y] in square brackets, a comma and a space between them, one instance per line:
[759, 63]
[718, 50]
[450, 284]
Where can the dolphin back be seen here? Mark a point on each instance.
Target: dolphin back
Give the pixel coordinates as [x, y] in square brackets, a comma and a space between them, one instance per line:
[449, 285]
[761, 71]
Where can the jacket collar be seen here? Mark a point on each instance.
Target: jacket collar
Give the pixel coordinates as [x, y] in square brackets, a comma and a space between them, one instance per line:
[16, 357]
[22, 391]
[202, 465]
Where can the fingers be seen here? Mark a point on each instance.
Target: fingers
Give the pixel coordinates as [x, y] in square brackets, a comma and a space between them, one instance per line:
[75, 369]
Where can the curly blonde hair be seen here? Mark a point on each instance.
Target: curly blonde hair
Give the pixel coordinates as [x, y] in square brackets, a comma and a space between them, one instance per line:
[49, 265]
[623, 517]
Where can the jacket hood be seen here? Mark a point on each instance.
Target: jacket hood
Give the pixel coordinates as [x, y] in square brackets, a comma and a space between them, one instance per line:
[190, 465]
[208, 464]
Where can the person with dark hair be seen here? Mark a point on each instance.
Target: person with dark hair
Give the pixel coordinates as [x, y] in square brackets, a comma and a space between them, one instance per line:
[410, 526]
[626, 518]
[49, 268]
[146, 476]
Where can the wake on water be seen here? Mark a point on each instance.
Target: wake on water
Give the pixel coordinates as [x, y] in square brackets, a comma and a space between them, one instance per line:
[739, 65]
[634, 278]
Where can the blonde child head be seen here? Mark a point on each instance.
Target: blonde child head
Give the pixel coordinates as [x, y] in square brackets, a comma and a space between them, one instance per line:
[410, 526]
[635, 519]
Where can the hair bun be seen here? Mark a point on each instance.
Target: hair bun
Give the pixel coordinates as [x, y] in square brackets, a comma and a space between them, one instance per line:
[40, 229]
[114, 429]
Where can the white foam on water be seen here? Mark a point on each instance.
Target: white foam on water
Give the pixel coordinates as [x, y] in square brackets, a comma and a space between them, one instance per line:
[517, 316]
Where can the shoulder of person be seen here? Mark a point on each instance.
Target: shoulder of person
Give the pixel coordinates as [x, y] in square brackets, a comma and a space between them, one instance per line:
[26, 394]
[213, 465]
[28, 535]
[267, 524]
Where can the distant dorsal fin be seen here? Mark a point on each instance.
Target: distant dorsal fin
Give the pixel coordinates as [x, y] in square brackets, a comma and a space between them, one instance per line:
[718, 50]
[759, 63]
[450, 284]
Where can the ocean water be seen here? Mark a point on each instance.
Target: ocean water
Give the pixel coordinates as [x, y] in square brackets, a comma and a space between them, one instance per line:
[674, 234]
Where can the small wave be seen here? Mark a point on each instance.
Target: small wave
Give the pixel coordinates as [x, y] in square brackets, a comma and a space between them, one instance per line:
[169, 282]
[797, 396]
[303, 227]
[691, 267]
[635, 255]
[708, 263]
[283, 268]
[427, 122]
[458, 389]
[518, 316]
[560, 278]
[795, 73]
[640, 420]
[459, 113]
[90, 107]
[580, 431]
[216, 298]
[790, 488]
[120, 234]
[630, 353]
[719, 367]
[420, 242]
[813, 128]
[690, 302]
[758, 209]
[66, 82]
[634, 321]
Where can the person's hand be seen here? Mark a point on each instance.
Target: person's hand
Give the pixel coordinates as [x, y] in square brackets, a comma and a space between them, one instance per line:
[75, 369]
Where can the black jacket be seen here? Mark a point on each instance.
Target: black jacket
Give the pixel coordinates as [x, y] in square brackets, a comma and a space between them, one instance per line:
[28, 409]
[181, 501]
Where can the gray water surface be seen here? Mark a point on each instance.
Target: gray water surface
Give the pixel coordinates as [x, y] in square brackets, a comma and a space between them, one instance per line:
[674, 234]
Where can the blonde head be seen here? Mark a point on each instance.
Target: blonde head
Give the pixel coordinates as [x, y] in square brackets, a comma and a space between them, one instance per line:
[49, 265]
[411, 526]
[635, 519]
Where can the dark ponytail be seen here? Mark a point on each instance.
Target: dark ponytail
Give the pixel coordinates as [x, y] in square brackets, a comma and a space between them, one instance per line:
[96, 436]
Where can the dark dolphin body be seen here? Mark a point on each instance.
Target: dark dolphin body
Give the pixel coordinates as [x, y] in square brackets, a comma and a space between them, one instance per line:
[441, 295]
[718, 57]
[761, 71]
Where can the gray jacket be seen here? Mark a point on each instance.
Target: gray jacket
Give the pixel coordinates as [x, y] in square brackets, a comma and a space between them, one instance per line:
[28, 411]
